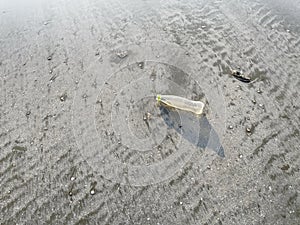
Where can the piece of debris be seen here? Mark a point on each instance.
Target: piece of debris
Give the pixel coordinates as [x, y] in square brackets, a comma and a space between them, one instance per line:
[181, 103]
[238, 74]
[19, 148]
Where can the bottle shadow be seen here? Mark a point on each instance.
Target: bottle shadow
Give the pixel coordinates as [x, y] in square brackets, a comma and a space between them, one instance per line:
[197, 130]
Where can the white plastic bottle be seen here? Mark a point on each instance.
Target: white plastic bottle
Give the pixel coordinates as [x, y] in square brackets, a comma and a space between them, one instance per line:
[181, 103]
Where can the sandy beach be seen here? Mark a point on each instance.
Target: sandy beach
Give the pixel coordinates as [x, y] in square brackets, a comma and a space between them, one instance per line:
[84, 141]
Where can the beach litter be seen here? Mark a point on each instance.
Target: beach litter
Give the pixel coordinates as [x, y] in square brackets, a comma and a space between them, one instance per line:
[181, 103]
[239, 75]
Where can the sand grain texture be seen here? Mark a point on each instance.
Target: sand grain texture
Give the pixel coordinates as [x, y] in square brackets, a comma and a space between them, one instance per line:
[48, 46]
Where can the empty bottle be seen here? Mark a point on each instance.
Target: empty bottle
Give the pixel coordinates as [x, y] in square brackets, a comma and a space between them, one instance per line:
[181, 103]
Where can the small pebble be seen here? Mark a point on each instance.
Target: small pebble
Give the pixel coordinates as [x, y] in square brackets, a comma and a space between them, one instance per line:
[92, 192]
[49, 57]
[148, 115]
[230, 127]
[141, 65]
[72, 178]
[63, 98]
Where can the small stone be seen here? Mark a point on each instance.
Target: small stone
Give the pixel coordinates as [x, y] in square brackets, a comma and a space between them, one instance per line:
[49, 57]
[92, 192]
[148, 115]
[72, 178]
[63, 97]
[141, 65]
[259, 91]
[70, 193]
[261, 105]
[248, 130]
[254, 101]
[230, 127]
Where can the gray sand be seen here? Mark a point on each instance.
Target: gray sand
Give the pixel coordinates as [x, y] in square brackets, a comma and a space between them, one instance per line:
[83, 142]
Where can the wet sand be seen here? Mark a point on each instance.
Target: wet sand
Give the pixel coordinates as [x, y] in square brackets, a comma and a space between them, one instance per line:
[82, 141]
